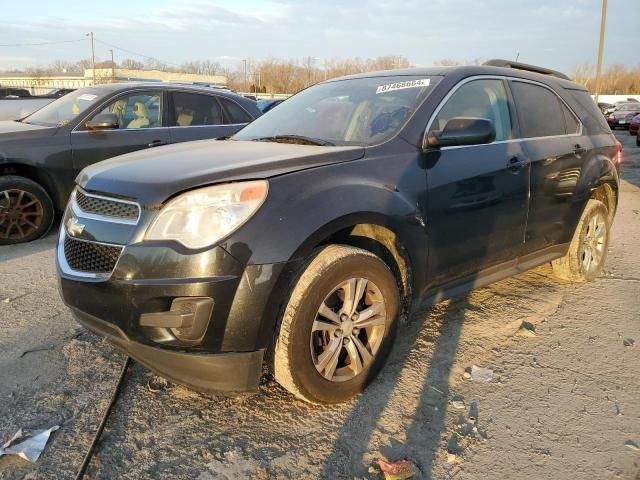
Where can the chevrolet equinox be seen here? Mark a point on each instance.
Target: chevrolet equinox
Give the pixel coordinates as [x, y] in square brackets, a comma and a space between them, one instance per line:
[298, 242]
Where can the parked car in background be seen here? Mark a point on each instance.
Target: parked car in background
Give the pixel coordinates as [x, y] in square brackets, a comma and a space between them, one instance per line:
[301, 239]
[268, 104]
[59, 92]
[41, 154]
[17, 108]
[13, 92]
[606, 107]
[622, 115]
[634, 125]
[618, 104]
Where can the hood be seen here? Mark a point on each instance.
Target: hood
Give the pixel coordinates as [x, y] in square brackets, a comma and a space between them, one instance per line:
[151, 176]
[11, 129]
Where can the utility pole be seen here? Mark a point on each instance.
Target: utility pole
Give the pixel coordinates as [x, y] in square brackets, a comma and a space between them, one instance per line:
[113, 66]
[93, 56]
[245, 74]
[603, 22]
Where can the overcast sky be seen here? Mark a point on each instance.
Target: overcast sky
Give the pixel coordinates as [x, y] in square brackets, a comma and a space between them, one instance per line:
[559, 34]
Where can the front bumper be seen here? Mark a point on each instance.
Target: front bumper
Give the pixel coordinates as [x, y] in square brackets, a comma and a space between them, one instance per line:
[223, 372]
[148, 278]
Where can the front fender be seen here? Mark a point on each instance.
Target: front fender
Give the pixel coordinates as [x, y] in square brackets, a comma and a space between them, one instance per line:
[294, 220]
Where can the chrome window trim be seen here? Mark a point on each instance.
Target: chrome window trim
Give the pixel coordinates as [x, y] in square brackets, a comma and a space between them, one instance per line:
[512, 140]
[212, 125]
[78, 212]
[64, 265]
[120, 130]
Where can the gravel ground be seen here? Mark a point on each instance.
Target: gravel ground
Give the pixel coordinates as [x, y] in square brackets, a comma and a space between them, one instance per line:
[564, 402]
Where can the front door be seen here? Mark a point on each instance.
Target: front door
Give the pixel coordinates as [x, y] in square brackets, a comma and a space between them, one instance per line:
[477, 195]
[140, 117]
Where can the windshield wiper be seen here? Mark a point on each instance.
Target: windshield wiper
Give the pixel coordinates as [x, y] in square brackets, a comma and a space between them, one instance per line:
[301, 139]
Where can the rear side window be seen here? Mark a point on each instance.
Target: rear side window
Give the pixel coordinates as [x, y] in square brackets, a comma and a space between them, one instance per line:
[570, 120]
[479, 99]
[539, 110]
[191, 109]
[233, 113]
[589, 113]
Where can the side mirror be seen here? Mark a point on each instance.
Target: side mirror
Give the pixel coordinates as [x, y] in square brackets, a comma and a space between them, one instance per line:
[103, 121]
[463, 131]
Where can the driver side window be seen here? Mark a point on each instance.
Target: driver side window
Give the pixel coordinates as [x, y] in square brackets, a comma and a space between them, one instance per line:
[479, 99]
[137, 110]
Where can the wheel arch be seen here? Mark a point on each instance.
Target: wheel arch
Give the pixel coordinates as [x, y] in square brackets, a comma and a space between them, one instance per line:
[35, 174]
[602, 182]
[370, 231]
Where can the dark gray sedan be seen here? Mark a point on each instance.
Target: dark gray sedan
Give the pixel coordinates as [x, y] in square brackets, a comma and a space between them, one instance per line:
[41, 154]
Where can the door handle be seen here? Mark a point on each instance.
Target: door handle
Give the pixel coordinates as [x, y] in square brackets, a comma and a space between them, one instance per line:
[578, 150]
[514, 164]
[156, 143]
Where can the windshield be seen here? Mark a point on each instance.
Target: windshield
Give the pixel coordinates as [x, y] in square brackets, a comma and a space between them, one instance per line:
[359, 111]
[629, 107]
[66, 108]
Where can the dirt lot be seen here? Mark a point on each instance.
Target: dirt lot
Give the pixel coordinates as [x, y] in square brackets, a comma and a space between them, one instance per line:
[563, 403]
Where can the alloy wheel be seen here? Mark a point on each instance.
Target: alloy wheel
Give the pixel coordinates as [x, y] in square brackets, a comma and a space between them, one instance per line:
[21, 214]
[594, 243]
[348, 330]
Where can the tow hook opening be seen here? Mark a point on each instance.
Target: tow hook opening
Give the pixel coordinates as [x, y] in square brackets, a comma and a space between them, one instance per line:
[186, 321]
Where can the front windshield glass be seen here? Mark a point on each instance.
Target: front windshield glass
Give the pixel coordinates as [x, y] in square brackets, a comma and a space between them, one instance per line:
[359, 111]
[65, 109]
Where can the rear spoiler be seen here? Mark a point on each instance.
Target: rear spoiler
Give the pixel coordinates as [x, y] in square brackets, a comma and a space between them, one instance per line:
[496, 62]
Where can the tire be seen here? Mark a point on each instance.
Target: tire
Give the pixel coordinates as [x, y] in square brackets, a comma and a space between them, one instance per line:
[26, 210]
[590, 241]
[306, 338]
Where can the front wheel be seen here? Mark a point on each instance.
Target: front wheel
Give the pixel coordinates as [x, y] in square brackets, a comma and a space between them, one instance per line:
[338, 325]
[588, 249]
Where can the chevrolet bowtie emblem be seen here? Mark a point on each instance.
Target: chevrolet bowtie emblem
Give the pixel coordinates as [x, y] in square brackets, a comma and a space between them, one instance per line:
[73, 227]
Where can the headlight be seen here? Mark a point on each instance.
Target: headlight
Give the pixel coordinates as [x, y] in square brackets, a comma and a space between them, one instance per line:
[200, 218]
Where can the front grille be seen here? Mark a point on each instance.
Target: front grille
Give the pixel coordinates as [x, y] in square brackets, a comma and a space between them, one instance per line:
[90, 257]
[106, 208]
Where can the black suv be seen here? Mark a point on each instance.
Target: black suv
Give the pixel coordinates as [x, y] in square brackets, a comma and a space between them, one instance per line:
[300, 241]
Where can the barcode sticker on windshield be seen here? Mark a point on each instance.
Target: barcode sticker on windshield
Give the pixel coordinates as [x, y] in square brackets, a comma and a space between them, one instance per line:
[390, 87]
[88, 97]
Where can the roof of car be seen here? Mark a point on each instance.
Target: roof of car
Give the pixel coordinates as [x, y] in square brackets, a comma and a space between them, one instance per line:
[116, 87]
[468, 71]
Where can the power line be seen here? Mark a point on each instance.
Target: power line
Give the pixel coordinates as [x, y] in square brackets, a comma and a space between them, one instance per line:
[39, 44]
[135, 53]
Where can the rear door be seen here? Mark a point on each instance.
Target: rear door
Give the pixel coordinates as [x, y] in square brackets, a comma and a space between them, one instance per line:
[200, 116]
[552, 138]
[141, 125]
[477, 195]
[195, 116]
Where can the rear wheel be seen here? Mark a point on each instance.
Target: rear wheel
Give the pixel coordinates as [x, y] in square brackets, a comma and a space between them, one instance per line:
[588, 249]
[26, 210]
[338, 325]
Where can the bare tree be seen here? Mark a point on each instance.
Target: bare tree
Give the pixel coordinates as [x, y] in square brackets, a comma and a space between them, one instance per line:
[131, 64]
[616, 79]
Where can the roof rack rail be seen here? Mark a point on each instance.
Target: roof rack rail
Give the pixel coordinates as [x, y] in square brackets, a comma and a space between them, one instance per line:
[497, 62]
